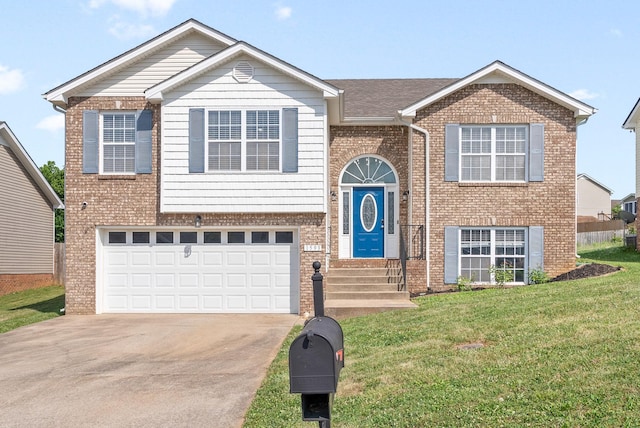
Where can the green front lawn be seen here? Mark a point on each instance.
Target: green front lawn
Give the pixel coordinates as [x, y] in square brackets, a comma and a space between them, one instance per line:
[31, 306]
[557, 354]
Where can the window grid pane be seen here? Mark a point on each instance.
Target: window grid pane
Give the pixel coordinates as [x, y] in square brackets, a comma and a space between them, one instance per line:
[505, 249]
[493, 153]
[118, 139]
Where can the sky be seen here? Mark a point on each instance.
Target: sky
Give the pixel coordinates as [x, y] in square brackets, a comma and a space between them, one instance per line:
[587, 49]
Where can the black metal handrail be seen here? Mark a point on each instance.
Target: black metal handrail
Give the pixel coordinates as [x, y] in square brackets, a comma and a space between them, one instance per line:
[415, 250]
[402, 285]
[415, 235]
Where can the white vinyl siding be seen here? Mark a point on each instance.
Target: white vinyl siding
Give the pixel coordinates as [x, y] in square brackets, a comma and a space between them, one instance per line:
[243, 191]
[134, 79]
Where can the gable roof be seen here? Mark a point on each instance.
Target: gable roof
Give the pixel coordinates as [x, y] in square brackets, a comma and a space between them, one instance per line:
[632, 119]
[594, 181]
[498, 72]
[59, 95]
[381, 98]
[34, 172]
[155, 93]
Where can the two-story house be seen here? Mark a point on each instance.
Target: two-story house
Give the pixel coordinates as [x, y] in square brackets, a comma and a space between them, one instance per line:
[205, 175]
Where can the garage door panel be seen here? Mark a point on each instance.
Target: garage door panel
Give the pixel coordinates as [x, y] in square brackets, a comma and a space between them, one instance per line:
[165, 302]
[141, 302]
[204, 278]
[188, 280]
[237, 280]
[141, 280]
[117, 280]
[260, 280]
[261, 258]
[237, 302]
[212, 258]
[141, 259]
[212, 280]
[236, 258]
[165, 258]
[188, 303]
[118, 302]
[260, 303]
[212, 303]
[165, 280]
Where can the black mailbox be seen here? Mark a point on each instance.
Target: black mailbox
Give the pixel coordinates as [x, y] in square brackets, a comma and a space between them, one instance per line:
[316, 357]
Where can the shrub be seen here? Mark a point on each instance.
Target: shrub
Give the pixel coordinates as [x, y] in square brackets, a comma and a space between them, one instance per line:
[538, 276]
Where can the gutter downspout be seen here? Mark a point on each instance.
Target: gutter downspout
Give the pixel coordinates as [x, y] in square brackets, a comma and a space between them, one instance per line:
[427, 224]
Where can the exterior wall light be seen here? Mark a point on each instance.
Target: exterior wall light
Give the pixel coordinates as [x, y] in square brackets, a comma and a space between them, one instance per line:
[198, 221]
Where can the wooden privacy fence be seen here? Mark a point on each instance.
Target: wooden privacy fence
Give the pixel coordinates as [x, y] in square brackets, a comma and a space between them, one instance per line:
[58, 263]
[601, 231]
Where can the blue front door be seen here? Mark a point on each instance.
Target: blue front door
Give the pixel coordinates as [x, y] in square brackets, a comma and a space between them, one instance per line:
[368, 222]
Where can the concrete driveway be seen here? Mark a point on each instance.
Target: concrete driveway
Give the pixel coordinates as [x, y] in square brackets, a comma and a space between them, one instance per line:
[136, 370]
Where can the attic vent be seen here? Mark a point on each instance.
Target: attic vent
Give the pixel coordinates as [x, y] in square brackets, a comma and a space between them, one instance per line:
[243, 72]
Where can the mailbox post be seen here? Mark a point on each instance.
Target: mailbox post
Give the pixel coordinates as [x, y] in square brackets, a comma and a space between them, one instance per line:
[316, 357]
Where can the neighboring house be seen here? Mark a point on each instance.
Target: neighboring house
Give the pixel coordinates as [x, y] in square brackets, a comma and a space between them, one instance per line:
[27, 218]
[629, 203]
[205, 175]
[593, 199]
[632, 123]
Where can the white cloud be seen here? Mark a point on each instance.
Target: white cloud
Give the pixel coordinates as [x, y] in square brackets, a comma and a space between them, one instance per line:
[283, 12]
[11, 80]
[124, 30]
[143, 7]
[584, 94]
[52, 123]
[616, 32]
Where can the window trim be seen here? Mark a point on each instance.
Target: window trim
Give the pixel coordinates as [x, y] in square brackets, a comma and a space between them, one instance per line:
[244, 140]
[493, 253]
[493, 154]
[101, 142]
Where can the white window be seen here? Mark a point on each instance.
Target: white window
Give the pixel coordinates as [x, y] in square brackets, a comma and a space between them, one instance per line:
[118, 143]
[493, 153]
[631, 207]
[483, 252]
[256, 133]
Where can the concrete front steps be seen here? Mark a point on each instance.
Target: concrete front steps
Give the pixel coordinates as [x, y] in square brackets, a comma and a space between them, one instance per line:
[354, 288]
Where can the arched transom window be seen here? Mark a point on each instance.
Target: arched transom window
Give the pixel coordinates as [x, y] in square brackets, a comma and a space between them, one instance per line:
[368, 169]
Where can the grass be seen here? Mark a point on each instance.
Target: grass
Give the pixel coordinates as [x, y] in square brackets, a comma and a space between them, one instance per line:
[555, 354]
[31, 306]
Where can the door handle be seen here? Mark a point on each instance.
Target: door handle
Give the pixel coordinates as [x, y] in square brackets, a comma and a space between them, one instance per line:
[382, 224]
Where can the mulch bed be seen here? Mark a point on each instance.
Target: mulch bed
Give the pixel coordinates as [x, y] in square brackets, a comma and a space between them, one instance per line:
[587, 271]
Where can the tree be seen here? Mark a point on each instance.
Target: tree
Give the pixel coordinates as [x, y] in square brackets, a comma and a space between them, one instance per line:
[55, 177]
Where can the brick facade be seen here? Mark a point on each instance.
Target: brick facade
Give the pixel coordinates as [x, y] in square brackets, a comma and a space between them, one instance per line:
[550, 203]
[10, 283]
[133, 200]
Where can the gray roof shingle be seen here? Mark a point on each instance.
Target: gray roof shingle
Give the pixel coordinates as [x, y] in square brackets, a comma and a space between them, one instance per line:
[369, 98]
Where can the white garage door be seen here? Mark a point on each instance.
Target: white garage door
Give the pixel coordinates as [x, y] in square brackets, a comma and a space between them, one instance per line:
[166, 277]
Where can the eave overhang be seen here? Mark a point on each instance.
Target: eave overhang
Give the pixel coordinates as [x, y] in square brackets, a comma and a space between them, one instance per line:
[59, 96]
[498, 72]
